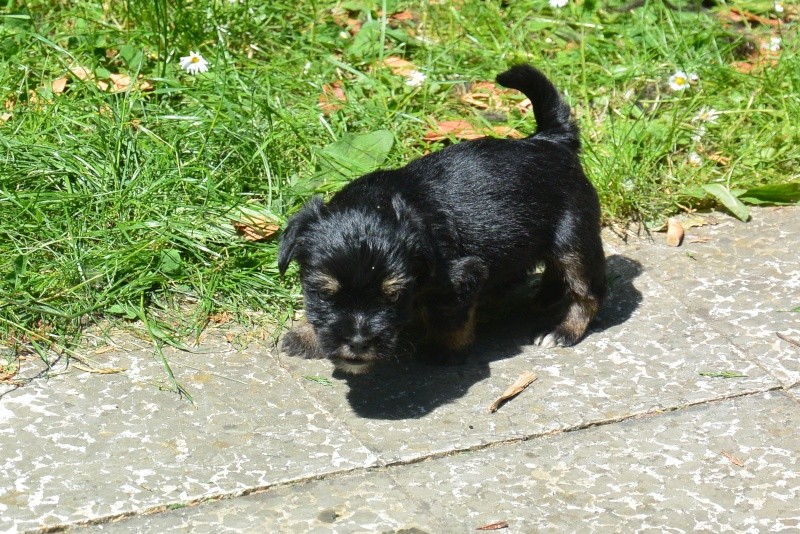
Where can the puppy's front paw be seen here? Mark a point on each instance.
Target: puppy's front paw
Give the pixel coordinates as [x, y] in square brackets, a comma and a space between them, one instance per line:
[301, 342]
[556, 338]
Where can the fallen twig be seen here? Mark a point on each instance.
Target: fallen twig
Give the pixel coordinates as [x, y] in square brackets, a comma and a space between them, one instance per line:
[497, 525]
[788, 339]
[734, 460]
[513, 390]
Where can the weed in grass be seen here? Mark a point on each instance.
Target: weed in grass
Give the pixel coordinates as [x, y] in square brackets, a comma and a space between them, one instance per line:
[121, 184]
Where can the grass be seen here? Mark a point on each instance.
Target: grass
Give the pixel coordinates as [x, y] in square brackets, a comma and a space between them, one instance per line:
[118, 201]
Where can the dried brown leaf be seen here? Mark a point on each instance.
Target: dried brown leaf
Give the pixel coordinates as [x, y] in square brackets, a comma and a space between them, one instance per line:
[343, 19]
[121, 82]
[144, 86]
[255, 228]
[674, 232]
[507, 131]
[58, 86]
[353, 26]
[220, 317]
[485, 95]
[525, 106]
[5, 117]
[399, 66]
[718, 158]
[463, 130]
[760, 58]
[402, 16]
[82, 73]
[497, 525]
[8, 372]
[739, 15]
[332, 97]
[525, 380]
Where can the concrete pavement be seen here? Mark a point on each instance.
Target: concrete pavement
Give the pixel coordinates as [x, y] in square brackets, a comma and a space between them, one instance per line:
[640, 427]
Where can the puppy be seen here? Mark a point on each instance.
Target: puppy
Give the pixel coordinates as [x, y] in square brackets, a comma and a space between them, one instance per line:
[426, 242]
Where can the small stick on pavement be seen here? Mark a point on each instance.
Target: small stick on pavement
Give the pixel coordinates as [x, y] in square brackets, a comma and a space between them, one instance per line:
[497, 525]
[788, 339]
[734, 460]
[513, 390]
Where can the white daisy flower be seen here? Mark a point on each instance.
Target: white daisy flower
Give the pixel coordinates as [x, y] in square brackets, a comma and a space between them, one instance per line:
[694, 159]
[706, 115]
[415, 78]
[194, 63]
[778, 7]
[558, 3]
[678, 81]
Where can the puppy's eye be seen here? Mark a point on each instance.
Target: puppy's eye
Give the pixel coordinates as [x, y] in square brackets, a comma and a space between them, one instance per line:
[392, 288]
[323, 294]
[323, 286]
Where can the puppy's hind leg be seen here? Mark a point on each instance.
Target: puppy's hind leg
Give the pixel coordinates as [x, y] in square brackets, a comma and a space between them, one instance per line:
[584, 274]
[301, 342]
[552, 287]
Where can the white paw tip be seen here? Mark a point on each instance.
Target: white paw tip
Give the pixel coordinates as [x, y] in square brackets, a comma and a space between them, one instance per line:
[547, 341]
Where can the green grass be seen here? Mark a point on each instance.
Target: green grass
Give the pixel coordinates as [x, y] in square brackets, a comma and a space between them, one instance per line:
[120, 204]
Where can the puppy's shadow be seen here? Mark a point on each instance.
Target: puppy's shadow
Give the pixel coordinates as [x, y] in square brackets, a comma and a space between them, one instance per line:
[410, 389]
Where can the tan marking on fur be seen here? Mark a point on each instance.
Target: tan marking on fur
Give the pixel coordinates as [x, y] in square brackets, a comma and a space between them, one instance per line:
[392, 285]
[463, 337]
[580, 314]
[325, 283]
[584, 306]
[574, 275]
[353, 368]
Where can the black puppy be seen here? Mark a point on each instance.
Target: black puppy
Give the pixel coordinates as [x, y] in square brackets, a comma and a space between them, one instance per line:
[424, 242]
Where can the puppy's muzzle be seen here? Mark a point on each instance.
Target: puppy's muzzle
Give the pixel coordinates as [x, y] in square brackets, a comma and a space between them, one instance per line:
[356, 356]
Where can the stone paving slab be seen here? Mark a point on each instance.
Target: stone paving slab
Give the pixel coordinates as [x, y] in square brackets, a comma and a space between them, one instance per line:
[79, 446]
[743, 278]
[646, 354]
[713, 467]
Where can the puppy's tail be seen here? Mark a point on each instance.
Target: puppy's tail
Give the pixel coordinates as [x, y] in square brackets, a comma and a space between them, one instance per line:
[550, 110]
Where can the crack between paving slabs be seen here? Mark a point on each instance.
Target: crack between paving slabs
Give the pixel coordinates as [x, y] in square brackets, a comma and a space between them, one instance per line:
[390, 466]
[275, 354]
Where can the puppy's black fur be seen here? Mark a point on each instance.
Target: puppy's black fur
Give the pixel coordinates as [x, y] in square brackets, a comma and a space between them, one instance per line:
[425, 242]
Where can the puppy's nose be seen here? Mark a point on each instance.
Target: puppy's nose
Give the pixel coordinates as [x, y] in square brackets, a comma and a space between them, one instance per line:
[358, 344]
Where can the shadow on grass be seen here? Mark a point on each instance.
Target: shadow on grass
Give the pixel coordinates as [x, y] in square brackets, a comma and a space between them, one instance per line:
[409, 389]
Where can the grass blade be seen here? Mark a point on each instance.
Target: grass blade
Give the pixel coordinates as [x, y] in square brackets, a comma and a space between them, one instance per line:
[727, 199]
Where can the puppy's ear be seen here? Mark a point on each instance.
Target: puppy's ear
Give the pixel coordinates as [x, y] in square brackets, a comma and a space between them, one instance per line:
[298, 224]
[417, 234]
